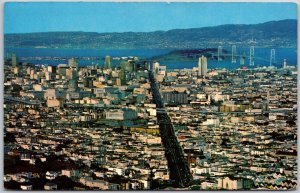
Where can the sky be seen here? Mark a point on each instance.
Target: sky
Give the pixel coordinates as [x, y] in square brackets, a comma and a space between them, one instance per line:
[26, 17]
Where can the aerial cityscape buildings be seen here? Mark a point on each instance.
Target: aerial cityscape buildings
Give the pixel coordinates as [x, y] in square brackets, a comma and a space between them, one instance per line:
[102, 128]
[212, 108]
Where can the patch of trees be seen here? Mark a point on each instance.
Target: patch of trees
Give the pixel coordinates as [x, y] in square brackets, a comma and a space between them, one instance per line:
[15, 165]
[55, 163]
[12, 185]
[281, 137]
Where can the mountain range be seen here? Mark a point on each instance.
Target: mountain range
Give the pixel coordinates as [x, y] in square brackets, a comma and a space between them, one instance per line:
[281, 33]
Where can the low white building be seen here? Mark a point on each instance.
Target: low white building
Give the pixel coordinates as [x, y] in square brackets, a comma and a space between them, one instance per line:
[50, 175]
[26, 187]
[209, 185]
[230, 183]
[121, 114]
[215, 122]
[50, 186]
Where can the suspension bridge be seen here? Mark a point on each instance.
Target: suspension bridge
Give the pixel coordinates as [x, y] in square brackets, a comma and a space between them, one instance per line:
[236, 57]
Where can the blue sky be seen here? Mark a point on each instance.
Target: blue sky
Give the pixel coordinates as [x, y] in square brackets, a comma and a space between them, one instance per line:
[138, 17]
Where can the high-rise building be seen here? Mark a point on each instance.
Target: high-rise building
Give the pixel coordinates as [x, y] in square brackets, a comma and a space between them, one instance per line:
[251, 56]
[175, 97]
[155, 68]
[14, 60]
[202, 66]
[272, 57]
[118, 82]
[122, 76]
[61, 69]
[242, 59]
[199, 67]
[128, 65]
[51, 69]
[284, 63]
[107, 62]
[88, 82]
[73, 63]
[219, 53]
[233, 54]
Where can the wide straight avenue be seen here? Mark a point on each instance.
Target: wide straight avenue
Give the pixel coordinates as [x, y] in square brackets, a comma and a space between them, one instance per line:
[178, 166]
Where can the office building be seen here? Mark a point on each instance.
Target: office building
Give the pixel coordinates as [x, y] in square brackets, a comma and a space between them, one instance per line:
[122, 76]
[14, 60]
[175, 97]
[284, 63]
[121, 114]
[51, 69]
[73, 63]
[107, 62]
[62, 69]
[155, 68]
[202, 66]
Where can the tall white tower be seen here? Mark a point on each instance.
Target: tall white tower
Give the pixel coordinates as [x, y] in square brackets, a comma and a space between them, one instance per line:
[233, 54]
[272, 57]
[284, 63]
[155, 68]
[219, 53]
[202, 66]
[251, 56]
[199, 66]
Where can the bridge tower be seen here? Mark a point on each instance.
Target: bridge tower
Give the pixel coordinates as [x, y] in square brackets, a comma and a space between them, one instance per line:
[272, 57]
[219, 53]
[233, 54]
[251, 56]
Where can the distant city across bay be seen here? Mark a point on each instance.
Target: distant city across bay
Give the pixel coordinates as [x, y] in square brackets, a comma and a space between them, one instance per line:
[94, 56]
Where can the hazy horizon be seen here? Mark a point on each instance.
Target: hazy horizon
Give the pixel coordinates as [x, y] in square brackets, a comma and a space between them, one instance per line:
[110, 17]
[144, 31]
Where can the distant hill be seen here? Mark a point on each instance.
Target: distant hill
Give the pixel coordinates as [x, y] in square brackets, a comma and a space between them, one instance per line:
[270, 34]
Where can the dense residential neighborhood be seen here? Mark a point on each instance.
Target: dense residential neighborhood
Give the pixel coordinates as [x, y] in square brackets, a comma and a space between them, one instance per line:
[72, 127]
